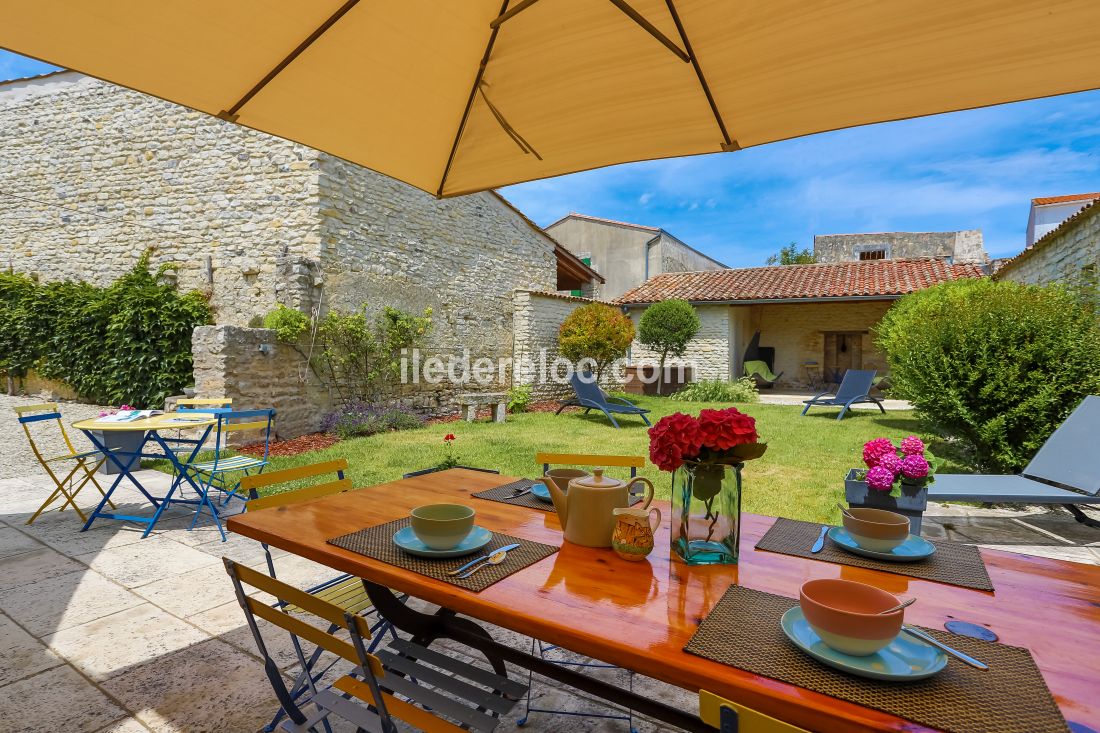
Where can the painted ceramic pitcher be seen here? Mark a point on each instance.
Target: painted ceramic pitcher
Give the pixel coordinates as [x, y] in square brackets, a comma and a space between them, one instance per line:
[632, 538]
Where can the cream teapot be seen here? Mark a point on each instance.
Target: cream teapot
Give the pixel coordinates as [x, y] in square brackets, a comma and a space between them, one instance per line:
[586, 510]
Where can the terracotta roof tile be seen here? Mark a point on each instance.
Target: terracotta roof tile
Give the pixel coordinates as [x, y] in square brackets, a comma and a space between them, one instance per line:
[875, 278]
[1043, 201]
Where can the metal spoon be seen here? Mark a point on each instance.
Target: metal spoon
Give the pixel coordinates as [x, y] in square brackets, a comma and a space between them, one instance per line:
[936, 643]
[495, 559]
[844, 511]
[904, 604]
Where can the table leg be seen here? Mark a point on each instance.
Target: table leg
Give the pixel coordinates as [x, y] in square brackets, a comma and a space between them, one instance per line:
[124, 471]
[447, 624]
[499, 412]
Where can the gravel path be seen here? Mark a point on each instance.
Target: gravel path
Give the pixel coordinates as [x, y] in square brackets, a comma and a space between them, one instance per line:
[16, 459]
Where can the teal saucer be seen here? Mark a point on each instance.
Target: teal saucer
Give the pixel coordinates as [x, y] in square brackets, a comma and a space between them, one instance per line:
[905, 659]
[407, 541]
[541, 493]
[914, 548]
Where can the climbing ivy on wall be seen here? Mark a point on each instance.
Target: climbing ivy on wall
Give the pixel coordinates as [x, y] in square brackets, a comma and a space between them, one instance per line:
[129, 342]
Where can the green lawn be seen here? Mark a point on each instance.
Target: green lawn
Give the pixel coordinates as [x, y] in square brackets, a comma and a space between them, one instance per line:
[801, 475]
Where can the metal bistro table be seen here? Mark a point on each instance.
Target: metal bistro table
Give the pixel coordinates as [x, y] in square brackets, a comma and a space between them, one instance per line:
[126, 460]
[641, 615]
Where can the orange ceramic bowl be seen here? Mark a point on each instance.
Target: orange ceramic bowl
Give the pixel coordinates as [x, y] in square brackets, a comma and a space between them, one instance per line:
[876, 529]
[845, 615]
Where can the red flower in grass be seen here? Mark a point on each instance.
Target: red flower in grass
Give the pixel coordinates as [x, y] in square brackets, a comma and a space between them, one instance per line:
[723, 429]
[448, 437]
[674, 439]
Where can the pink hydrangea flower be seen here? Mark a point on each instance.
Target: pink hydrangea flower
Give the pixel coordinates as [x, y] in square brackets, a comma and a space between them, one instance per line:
[874, 450]
[880, 479]
[914, 466]
[912, 446]
[891, 463]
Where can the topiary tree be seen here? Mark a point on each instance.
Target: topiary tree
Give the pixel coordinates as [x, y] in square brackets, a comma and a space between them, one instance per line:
[667, 328]
[997, 365]
[598, 332]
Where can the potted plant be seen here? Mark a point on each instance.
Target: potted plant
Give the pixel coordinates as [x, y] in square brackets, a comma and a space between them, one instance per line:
[705, 456]
[896, 478]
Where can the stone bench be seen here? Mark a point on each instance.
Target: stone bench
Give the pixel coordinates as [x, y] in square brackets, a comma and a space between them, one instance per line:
[470, 401]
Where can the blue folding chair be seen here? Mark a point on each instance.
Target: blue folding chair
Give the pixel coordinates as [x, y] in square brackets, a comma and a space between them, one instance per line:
[587, 394]
[854, 389]
[224, 472]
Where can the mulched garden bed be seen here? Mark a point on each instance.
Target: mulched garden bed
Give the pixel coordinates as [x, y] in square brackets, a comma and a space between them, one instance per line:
[292, 447]
[487, 412]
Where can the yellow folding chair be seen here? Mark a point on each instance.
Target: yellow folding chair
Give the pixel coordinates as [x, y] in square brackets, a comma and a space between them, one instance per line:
[731, 717]
[83, 466]
[423, 688]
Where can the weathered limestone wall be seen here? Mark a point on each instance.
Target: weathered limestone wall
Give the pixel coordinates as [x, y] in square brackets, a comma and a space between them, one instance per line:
[1064, 256]
[230, 363]
[386, 243]
[538, 317]
[94, 174]
[709, 352]
[963, 246]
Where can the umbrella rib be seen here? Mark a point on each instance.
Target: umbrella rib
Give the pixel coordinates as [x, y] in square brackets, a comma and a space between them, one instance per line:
[231, 114]
[470, 101]
[729, 144]
[651, 29]
[519, 8]
[512, 133]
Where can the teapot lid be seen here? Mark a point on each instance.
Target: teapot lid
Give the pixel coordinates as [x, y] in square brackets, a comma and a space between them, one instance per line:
[598, 481]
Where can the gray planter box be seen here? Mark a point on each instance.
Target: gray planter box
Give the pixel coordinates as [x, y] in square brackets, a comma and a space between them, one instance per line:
[912, 502]
[115, 440]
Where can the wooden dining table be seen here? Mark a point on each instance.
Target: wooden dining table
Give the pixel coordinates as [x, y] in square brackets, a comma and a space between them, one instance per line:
[640, 615]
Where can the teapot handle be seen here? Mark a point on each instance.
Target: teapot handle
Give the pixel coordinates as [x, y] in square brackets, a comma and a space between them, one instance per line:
[649, 490]
[654, 525]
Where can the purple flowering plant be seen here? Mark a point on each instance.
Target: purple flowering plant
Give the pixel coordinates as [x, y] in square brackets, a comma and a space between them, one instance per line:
[890, 466]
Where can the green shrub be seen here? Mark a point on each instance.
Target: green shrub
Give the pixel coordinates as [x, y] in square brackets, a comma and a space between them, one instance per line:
[996, 365]
[598, 332]
[519, 398]
[719, 390]
[127, 343]
[288, 324]
[667, 328]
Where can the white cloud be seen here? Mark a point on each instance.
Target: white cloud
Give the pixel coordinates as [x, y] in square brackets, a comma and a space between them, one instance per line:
[645, 198]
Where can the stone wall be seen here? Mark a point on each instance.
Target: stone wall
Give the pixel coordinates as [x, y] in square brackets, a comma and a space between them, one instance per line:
[963, 246]
[538, 317]
[229, 362]
[1064, 255]
[94, 174]
[708, 353]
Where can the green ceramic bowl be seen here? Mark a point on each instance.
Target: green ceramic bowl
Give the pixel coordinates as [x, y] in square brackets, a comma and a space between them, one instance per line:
[442, 526]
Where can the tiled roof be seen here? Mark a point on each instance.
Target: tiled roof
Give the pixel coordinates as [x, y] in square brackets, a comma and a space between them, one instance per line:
[1044, 240]
[867, 279]
[1043, 201]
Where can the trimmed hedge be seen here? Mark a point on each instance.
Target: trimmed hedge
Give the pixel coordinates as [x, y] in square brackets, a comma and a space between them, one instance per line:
[997, 365]
[127, 343]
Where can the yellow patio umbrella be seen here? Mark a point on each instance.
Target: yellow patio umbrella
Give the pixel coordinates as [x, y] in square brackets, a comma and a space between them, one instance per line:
[456, 96]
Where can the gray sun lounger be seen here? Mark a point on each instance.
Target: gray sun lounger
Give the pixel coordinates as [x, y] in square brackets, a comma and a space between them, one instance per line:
[854, 389]
[1065, 471]
[589, 396]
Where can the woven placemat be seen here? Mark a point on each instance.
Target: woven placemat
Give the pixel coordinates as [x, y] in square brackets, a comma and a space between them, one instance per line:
[377, 543]
[743, 631]
[503, 495]
[952, 563]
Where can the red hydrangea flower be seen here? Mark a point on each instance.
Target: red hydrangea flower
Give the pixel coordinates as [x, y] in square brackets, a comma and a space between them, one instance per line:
[914, 466]
[874, 450]
[674, 439]
[912, 446]
[891, 463]
[723, 429]
[880, 479]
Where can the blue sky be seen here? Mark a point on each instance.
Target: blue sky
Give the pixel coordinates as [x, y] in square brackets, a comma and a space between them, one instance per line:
[964, 170]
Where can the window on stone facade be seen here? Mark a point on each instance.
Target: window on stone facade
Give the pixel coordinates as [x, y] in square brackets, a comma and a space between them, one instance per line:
[578, 293]
[873, 254]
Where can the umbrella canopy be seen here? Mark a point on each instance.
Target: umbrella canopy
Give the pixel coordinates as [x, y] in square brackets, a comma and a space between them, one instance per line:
[456, 96]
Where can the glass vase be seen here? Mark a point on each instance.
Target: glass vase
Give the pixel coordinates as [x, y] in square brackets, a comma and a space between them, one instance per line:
[706, 513]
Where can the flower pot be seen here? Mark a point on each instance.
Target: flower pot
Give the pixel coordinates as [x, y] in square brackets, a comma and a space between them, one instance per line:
[124, 442]
[909, 500]
[706, 513]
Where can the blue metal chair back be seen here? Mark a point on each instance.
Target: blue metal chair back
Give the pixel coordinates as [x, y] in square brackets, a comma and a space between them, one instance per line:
[230, 421]
[1068, 457]
[856, 383]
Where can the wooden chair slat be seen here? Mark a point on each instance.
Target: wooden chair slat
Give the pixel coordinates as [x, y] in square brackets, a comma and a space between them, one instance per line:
[293, 497]
[416, 717]
[284, 592]
[189, 401]
[748, 720]
[582, 459]
[293, 474]
[51, 406]
[303, 630]
[232, 427]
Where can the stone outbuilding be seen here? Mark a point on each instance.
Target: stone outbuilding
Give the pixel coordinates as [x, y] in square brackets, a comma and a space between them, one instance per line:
[1068, 253]
[817, 318]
